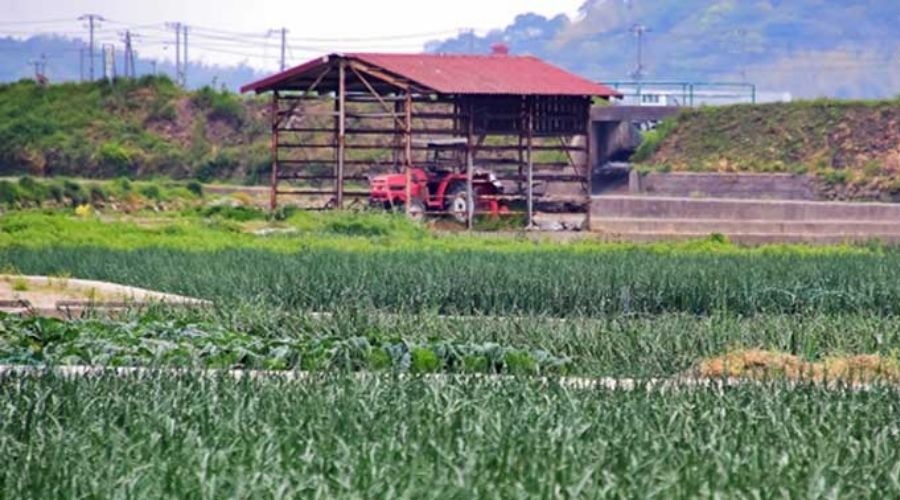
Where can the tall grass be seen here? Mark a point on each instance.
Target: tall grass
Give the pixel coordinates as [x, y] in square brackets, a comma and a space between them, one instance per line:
[425, 438]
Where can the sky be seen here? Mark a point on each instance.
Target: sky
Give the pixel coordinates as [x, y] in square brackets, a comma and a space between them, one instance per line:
[231, 31]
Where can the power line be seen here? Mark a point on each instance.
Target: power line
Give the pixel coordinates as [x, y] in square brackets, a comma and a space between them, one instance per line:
[25, 23]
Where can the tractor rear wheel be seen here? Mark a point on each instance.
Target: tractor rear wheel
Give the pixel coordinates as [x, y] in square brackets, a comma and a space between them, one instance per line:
[457, 203]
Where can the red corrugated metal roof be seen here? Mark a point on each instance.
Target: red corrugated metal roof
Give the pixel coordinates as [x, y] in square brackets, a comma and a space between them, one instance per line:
[464, 74]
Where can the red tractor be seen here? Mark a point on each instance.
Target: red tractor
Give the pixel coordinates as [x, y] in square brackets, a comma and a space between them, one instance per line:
[438, 188]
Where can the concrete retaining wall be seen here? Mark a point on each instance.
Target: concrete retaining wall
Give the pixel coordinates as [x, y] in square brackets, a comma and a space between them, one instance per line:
[716, 185]
[644, 218]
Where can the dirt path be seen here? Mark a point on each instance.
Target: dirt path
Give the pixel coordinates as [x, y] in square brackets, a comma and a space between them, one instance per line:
[56, 296]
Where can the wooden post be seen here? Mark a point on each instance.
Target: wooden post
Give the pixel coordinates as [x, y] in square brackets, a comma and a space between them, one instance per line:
[529, 152]
[408, 146]
[470, 167]
[589, 166]
[273, 194]
[341, 133]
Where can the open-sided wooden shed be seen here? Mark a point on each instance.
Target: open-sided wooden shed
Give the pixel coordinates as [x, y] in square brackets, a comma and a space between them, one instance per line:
[340, 118]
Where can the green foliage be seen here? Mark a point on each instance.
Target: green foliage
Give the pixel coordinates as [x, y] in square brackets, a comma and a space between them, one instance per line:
[9, 193]
[195, 188]
[220, 105]
[834, 177]
[652, 140]
[151, 191]
[239, 213]
[219, 166]
[125, 129]
[424, 360]
[210, 344]
[114, 159]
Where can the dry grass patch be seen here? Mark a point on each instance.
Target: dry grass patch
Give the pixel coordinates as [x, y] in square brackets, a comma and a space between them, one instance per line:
[759, 364]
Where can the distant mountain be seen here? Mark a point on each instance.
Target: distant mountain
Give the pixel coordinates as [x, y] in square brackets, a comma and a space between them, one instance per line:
[64, 63]
[838, 48]
[811, 48]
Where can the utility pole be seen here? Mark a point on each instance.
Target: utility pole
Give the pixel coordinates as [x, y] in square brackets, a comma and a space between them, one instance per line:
[283, 46]
[177, 28]
[153, 67]
[639, 30]
[92, 20]
[283, 32]
[184, 63]
[40, 68]
[128, 57]
[81, 64]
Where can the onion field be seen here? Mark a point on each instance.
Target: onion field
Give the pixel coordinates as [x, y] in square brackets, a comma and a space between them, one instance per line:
[462, 342]
[185, 436]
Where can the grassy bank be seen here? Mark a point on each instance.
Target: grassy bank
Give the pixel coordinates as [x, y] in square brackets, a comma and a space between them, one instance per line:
[848, 146]
[142, 128]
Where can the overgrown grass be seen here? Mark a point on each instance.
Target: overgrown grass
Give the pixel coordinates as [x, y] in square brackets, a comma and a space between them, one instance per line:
[163, 436]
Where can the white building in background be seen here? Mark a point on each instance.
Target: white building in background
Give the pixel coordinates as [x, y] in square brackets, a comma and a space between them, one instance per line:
[689, 94]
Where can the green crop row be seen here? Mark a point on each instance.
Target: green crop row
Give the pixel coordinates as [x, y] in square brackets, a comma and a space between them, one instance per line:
[179, 344]
[537, 282]
[261, 338]
[209, 437]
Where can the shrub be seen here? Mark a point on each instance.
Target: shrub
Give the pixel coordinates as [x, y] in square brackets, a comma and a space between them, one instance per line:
[97, 194]
[73, 192]
[219, 105]
[151, 191]
[652, 140]
[114, 159]
[240, 214]
[9, 194]
[55, 192]
[220, 166]
[122, 184]
[834, 177]
[162, 110]
[196, 188]
[32, 190]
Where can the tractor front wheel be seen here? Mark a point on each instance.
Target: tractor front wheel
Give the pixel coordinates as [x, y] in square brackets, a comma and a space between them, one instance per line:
[416, 209]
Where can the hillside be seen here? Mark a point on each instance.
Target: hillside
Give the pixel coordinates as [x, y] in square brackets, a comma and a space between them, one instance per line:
[851, 147]
[137, 128]
[811, 48]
